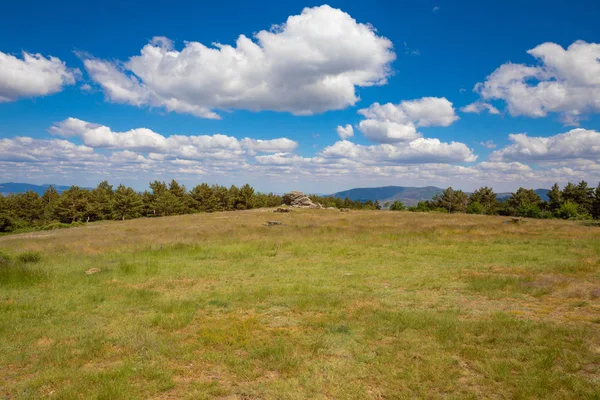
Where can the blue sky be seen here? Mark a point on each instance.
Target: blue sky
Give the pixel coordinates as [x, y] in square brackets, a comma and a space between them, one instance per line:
[427, 54]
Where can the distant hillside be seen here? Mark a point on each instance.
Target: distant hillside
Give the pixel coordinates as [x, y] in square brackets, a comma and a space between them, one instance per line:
[13, 187]
[407, 194]
[543, 193]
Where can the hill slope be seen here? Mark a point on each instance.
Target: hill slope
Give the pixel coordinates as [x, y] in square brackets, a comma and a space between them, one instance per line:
[407, 194]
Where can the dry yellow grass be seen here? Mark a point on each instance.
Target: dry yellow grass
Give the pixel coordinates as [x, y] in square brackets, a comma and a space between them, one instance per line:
[329, 305]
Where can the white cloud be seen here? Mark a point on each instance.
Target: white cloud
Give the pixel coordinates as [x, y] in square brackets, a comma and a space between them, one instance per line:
[268, 146]
[566, 82]
[417, 151]
[575, 144]
[392, 123]
[345, 132]
[310, 64]
[174, 146]
[489, 144]
[33, 75]
[26, 149]
[478, 107]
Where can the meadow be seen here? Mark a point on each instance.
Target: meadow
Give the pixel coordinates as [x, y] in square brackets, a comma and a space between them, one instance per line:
[329, 305]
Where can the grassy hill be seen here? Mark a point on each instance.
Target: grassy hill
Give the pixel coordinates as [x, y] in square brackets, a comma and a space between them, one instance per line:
[329, 305]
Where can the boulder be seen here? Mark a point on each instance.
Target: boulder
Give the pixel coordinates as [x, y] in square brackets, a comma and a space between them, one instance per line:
[299, 200]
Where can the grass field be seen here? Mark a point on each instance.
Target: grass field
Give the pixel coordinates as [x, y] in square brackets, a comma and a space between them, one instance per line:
[330, 305]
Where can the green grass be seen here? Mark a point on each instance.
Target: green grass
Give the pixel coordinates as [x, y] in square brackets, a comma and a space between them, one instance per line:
[329, 305]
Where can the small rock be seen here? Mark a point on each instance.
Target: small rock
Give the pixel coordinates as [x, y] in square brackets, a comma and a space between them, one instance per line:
[92, 271]
[272, 223]
[344, 209]
[283, 210]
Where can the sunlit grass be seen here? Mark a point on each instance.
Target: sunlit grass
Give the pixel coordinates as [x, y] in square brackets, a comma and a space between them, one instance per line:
[329, 305]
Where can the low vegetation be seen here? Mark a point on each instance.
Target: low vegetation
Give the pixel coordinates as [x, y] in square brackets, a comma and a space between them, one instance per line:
[362, 304]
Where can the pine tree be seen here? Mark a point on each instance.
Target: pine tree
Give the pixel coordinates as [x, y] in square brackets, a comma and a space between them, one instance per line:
[127, 203]
[525, 203]
[453, 200]
[585, 197]
[101, 202]
[50, 200]
[73, 205]
[181, 201]
[246, 198]
[202, 196]
[596, 203]
[486, 197]
[28, 206]
[555, 198]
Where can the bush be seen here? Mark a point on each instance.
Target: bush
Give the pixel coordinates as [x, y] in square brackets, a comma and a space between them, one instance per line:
[475, 208]
[568, 210]
[29, 257]
[529, 210]
[7, 223]
[397, 206]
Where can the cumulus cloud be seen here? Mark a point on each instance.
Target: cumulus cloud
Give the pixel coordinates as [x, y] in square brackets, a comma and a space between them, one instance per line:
[567, 81]
[478, 107]
[392, 123]
[180, 146]
[311, 63]
[345, 132]
[32, 75]
[418, 151]
[26, 149]
[575, 144]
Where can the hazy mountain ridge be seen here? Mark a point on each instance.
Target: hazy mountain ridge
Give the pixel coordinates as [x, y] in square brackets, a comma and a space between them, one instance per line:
[16, 187]
[409, 195]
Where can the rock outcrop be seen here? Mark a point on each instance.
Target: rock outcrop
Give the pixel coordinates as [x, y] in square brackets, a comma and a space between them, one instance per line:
[299, 200]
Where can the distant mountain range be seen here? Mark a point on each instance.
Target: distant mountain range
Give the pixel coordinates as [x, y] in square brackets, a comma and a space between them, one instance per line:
[407, 194]
[13, 187]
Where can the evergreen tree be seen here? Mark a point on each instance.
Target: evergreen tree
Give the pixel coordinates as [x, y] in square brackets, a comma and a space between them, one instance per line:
[203, 198]
[101, 202]
[452, 200]
[127, 203]
[73, 205]
[27, 206]
[585, 197]
[233, 198]
[525, 203]
[486, 197]
[245, 198]
[596, 203]
[181, 201]
[554, 198]
[50, 200]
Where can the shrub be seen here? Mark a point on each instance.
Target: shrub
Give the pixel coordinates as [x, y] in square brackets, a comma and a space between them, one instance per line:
[529, 210]
[475, 208]
[397, 206]
[7, 223]
[568, 210]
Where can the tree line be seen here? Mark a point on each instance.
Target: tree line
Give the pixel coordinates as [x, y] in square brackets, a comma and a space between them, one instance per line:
[78, 205]
[574, 201]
